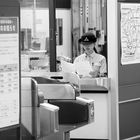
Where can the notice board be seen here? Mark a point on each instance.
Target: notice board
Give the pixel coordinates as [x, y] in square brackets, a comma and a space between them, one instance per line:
[9, 72]
[130, 33]
[129, 68]
[128, 43]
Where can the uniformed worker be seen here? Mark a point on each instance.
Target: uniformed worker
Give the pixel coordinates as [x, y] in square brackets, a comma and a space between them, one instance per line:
[90, 63]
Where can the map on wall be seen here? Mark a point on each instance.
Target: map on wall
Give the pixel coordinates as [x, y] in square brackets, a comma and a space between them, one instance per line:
[9, 71]
[130, 33]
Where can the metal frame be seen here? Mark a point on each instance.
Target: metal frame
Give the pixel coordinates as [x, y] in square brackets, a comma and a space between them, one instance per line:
[52, 34]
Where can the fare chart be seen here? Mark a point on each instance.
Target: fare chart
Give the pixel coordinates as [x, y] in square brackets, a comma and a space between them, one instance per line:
[130, 33]
[9, 71]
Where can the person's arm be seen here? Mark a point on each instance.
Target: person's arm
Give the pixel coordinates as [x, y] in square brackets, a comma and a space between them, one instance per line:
[103, 68]
[99, 69]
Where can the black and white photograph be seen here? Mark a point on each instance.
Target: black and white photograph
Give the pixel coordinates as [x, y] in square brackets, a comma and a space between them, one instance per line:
[69, 69]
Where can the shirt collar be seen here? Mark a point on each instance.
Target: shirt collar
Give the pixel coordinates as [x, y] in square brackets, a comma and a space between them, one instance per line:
[91, 55]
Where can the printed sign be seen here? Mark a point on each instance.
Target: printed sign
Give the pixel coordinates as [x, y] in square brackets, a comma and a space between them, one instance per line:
[130, 33]
[9, 71]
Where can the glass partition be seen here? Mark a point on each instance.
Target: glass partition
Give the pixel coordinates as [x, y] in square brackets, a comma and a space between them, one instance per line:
[72, 20]
[82, 16]
[34, 34]
[89, 15]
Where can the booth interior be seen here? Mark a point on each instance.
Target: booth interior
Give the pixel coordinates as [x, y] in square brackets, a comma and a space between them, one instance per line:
[56, 103]
[41, 95]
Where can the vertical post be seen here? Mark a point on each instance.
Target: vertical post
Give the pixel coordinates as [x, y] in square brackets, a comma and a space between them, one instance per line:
[34, 20]
[112, 40]
[52, 35]
[19, 129]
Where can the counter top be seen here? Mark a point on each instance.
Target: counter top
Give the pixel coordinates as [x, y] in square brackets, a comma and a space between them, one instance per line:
[94, 90]
[87, 85]
[94, 85]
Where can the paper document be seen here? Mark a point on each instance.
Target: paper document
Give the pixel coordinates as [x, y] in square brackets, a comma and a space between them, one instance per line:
[83, 68]
[67, 67]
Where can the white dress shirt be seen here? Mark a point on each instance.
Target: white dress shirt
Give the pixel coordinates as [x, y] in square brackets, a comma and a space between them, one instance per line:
[93, 60]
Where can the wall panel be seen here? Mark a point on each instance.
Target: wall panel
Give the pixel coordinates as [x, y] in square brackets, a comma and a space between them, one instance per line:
[129, 88]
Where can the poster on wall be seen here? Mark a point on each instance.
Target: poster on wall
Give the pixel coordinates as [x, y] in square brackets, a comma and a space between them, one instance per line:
[130, 33]
[9, 71]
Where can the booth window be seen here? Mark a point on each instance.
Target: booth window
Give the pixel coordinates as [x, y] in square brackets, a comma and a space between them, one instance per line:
[34, 34]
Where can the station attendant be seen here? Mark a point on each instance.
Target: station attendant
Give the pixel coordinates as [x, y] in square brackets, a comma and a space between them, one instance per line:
[90, 63]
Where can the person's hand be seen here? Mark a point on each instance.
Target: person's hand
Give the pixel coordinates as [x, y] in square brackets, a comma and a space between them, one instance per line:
[103, 74]
[94, 74]
[81, 76]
